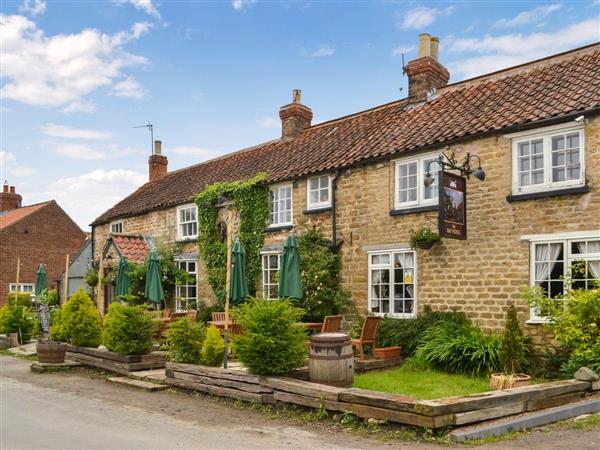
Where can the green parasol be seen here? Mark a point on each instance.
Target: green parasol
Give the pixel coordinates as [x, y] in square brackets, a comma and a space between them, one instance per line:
[154, 290]
[239, 286]
[290, 285]
[123, 282]
[40, 282]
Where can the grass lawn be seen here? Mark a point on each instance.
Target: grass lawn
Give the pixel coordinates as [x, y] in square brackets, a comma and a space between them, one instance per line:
[423, 384]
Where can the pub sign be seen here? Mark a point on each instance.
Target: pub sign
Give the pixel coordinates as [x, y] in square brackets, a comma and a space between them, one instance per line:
[452, 219]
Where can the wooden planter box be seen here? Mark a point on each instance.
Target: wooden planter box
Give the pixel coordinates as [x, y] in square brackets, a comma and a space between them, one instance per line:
[387, 352]
[115, 362]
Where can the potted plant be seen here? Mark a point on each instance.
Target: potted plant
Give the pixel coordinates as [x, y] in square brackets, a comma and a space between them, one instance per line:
[423, 237]
[512, 355]
[50, 352]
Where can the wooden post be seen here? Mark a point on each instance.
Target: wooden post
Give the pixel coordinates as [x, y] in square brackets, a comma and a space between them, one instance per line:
[100, 287]
[66, 283]
[17, 283]
[228, 282]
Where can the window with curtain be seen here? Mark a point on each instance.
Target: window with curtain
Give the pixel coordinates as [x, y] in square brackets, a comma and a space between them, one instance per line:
[392, 283]
[554, 262]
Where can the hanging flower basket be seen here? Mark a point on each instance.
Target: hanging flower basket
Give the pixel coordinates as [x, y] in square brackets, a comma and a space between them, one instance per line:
[423, 237]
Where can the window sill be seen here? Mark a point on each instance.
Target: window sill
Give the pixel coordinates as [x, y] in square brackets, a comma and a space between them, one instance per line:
[188, 239]
[537, 322]
[545, 194]
[317, 210]
[276, 228]
[414, 210]
[393, 315]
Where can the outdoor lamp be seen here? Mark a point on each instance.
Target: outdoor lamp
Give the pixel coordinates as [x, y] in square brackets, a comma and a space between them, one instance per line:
[479, 174]
[204, 205]
[222, 199]
[429, 180]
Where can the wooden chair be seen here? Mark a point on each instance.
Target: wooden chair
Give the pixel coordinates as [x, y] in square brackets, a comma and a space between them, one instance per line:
[218, 316]
[331, 324]
[368, 335]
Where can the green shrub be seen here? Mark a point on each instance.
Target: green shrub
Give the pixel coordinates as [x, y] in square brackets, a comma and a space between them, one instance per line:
[18, 319]
[127, 330]
[575, 321]
[205, 311]
[20, 298]
[406, 333]
[81, 321]
[272, 343]
[459, 348]
[185, 339]
[50, 297]
[512, 353]
[57, 328]
[213, 348]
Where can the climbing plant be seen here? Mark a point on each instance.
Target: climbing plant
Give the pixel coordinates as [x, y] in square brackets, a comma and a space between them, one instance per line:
[250, 199]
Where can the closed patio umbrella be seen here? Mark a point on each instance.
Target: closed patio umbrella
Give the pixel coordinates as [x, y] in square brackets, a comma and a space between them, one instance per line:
[40, 282]
[239, 286]
[290, 285]
[154, 289]
[123, 282]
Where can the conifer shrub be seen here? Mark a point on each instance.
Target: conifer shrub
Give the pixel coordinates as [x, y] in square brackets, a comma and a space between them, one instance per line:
[15, 318]
[81, 322]
[272, 343]
[185, 339]
[57, 328]
[213, 348]
[512, 353]
[127, 330]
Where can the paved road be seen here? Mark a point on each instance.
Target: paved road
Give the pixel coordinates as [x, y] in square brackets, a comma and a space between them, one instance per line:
[79, 411]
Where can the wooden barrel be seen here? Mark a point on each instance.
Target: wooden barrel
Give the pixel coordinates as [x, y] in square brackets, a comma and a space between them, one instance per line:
[331, 360]
[51, 352]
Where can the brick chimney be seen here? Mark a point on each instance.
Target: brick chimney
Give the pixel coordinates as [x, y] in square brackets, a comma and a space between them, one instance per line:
[295, 117]
[9, 199]
[426, 74]
[157, 163]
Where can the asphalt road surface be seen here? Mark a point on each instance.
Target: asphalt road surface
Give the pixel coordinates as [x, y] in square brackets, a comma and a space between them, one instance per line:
[79, 410]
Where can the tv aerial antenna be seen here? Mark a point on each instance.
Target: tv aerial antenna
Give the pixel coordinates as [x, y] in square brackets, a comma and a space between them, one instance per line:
[151, 128]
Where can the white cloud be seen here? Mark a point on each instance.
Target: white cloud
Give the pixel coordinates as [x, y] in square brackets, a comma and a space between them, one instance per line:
[422, 16]
[9, 166]
[269, 122]
[129, 87]
[105, 187]
[241, 4]
[67, 66]
[61, 131]
[201, 154]
[143, 5]
[323, 52]
[33, 7]
[530, 16]
[80, 107]
[79, 152]
[498, 52]
[398, 51]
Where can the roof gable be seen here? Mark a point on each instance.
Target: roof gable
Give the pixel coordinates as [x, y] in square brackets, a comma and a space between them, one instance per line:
[13, 216]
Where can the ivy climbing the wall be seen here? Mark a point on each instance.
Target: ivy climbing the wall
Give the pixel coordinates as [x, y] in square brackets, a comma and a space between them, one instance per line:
[250, 200]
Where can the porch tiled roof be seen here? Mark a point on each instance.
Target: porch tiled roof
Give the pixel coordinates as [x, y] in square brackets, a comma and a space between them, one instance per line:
[134, 247]
[548, 88]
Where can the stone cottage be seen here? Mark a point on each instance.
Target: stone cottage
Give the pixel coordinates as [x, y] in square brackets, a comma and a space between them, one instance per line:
[360, 179]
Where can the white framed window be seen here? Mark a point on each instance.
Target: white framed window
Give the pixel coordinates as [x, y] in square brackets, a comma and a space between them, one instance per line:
[116, 226]
[548, 159]
[23, 287]
[409, 175]
[186, 295]
[392, 283]
[318, 192]
[270, 274]
[187, 222]
[554, 261]
[280, 205]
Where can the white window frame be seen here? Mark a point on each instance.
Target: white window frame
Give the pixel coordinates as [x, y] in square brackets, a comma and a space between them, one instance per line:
[421, 161]
[180, 236]
[179, 287]
[266, 286]
[390, 266]
[318, 205]
[23, 287]
[278, 187]
[117, 223]
[568, 258]
[546, 134]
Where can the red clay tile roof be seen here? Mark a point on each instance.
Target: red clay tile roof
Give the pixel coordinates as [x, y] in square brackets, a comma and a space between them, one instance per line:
[133, 247]
[12, 216]
[548, 88]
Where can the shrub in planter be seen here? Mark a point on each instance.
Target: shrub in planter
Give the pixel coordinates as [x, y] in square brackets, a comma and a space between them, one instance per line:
[127, 330]
[459, 348]
[423, 237]
[81, 321]
[185, 339]
[406, 333]
[18, 319]
[212, 350]
[57, 329]
[272, 343]
[50, 297]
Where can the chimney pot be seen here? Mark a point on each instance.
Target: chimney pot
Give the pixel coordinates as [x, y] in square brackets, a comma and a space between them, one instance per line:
[435, 48]
[297, 96]
[12, 189]
[295, 117]
[9, 199]
[157, 147]
[426, 74]
[424, 45]
[5, 187]
[158, 164]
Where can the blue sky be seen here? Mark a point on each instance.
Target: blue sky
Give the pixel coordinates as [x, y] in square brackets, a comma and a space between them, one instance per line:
[211, 76]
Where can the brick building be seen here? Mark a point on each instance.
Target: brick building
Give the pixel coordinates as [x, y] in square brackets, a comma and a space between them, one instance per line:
[359, 178]
[37, 234]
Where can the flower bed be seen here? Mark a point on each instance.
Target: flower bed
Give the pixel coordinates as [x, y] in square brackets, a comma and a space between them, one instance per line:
[238, 384]
[115, 362]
